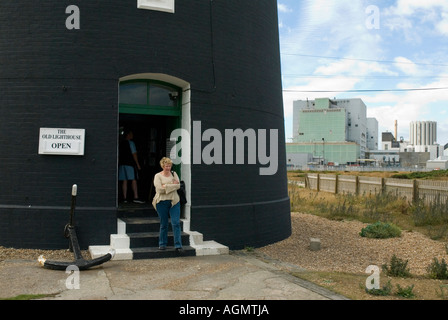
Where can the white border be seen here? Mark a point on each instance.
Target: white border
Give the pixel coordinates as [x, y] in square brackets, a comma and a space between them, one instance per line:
[158, 5]
[75, 151]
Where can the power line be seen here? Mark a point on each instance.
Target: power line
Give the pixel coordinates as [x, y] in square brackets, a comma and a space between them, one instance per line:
[366, 60]
[354, 76]
[367, 90]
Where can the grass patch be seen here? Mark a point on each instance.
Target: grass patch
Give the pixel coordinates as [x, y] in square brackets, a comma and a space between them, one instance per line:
[433, 214]
[405, 292]
[435, 174]
[353, 286]
[384, 291]
[29, 297]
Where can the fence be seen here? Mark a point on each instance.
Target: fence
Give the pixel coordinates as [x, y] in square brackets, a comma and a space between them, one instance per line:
[412, 190]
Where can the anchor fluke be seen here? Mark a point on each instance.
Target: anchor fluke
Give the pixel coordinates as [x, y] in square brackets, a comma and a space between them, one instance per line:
[81, 264]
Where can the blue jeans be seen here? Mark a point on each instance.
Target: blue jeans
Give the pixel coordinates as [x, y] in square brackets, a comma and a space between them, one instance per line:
[165, 210]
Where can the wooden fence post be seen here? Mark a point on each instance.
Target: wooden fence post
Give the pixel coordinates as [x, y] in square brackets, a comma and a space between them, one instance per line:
[318, 182]
[414, 191]
[357, 185]
[336, 183]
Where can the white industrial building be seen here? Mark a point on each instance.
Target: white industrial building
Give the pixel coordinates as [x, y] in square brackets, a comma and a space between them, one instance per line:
[423, 138]
[358, 128]
[331, 132]
[338, 131]
[423, 133]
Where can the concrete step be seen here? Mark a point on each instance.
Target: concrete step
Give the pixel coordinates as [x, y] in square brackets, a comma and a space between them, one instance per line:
[206, 248]
[138, 238]
[155, 253]
[151, 239]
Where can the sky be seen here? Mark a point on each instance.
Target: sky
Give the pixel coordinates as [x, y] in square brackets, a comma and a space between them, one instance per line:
[393, 54]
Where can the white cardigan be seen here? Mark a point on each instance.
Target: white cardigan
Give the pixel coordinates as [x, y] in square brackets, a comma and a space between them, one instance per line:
[169, 192]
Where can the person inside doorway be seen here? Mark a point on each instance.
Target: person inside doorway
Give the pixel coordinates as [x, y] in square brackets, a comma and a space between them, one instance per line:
[127, 165]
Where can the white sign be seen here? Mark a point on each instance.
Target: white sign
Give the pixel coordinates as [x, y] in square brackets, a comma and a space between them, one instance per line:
[158, 5]
[59, 141]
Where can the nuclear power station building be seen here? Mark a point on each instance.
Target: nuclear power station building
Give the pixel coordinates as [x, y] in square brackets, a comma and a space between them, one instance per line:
[422, 134]
[335, 131]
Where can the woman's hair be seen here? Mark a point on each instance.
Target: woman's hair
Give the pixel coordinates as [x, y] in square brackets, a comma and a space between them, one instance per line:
[165, 161]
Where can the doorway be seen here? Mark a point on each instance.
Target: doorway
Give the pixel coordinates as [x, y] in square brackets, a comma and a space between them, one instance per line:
[151, 109]
[151, 138]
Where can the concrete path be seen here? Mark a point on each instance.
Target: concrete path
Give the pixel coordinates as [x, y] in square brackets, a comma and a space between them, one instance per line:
[237, 276]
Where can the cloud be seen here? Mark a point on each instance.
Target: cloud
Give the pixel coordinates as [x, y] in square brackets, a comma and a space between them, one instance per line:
[409, 106]
[406, 66]
[284, 8]
[413, 15]
[349, 67]
[409, 7]
[387, 114]
[305, 90]
[442, 26]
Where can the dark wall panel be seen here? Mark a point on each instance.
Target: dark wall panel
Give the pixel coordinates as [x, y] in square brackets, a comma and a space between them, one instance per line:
[54, 77]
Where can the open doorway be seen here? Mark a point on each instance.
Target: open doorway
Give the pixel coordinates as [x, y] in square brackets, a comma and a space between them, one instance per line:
[151, 109]
[155, 104]
[151, 137]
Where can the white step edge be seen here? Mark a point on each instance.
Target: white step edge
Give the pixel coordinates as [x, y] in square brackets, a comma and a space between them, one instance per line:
[120, 242]
[121, 226]
[120, 254]
[206, 248]
[210, 248]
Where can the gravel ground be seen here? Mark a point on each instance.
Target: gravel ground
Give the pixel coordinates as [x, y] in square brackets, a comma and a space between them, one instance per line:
[343, 249]
[33, 254]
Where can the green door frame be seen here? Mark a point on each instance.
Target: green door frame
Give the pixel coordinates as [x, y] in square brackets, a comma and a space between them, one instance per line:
[173, 111]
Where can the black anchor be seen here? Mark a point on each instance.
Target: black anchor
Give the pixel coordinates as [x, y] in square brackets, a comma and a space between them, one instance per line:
[70, 232]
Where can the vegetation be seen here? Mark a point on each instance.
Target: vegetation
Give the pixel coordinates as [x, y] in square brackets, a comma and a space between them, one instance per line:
[29, 297]
[433, 214]
[429, 219]
[405, 292]
[435, 174]
[384, 291]
[397, 268]
[387, 214]
[380, 230]
[438, 270]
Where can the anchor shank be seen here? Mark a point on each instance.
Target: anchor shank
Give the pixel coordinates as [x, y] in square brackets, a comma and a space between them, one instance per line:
[74, 243]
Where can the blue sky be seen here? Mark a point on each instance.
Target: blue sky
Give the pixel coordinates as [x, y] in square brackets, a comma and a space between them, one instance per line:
[346, 47]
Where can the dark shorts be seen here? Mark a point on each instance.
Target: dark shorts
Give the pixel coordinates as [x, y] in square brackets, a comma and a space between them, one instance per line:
[126, 173]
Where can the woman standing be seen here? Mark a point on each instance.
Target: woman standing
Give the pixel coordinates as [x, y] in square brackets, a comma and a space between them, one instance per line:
[166, 202]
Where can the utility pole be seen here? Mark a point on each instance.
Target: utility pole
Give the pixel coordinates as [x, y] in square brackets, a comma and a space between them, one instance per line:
[323, 150]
